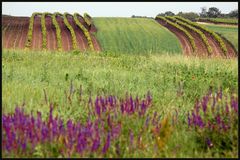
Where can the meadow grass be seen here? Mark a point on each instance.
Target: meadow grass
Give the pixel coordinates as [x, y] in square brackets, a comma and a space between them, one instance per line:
[229, 32]
[135, 36]
[174, 81]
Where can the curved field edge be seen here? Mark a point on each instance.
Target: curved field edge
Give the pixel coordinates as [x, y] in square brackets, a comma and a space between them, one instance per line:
[229, 32]
[135, 36]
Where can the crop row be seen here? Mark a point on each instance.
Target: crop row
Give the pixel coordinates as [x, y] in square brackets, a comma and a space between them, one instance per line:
[85, 31]
[200, 33]
[44, 31]
[30, 30]
[74, 39]
[181, 29]
[58, 30]
[215, 36]
[87, 19]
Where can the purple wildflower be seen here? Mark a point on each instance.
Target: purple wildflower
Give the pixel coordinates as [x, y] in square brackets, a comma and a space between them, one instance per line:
[107, 144]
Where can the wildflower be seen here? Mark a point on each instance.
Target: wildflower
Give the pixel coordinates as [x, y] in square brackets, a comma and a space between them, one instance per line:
[209, 143]
[107, 144]
[97, 107]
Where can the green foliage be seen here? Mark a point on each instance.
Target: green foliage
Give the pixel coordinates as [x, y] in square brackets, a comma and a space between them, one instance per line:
[200, 33]
[215, 36]
[87, 19]
[58, 30]
[188, 15]
[189, 36]
[135, 36]
[74, 39]
[85, 31]
[24, 79]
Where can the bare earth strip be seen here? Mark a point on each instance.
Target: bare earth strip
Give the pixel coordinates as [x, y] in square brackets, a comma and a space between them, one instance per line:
[51, 34]
[66, 35]
[81, 39]
[37, 34]
[185, 43]
[24, 32]
[10, 34]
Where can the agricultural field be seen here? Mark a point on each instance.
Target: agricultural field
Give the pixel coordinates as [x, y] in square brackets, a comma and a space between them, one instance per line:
[81, 86]
[135, 35]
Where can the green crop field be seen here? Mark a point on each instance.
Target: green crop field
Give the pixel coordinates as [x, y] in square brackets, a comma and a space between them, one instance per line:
[134, 36]
[229, 32]
[175, 82]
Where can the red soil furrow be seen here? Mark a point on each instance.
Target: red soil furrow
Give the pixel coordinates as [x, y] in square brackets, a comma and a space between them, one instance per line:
[201, 49]
[231, 52]
[10, 34]
[217, 51]
[66, 35]
[82, 21]
[37, 34]
[81, 39]
[51, 34]
[23, 37]
[185, 43]
[96, 45]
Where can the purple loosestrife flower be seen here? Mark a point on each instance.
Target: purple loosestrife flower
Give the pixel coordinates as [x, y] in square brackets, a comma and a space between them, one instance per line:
[97, 107]
[107, 144]
[122, 107]
[131, 137]
[218, 119]
[96, 144]
[149, 97]
[154, 118]
[234, 103]
[227, 108]
[189, 120]
[147, 121]
[116, 130]
[204, 104]
[209, 143]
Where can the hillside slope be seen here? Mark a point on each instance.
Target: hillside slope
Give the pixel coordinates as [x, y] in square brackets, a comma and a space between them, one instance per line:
[135, 35]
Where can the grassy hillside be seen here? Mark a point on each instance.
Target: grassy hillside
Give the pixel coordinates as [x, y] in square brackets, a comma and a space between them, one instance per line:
[229, 32]
[135, 35]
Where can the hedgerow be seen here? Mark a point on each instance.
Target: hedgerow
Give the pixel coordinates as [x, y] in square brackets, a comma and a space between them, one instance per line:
[30, 30]
[192, 42]
[87, 19]
[58, 30]
[200, 33]
[74, 39]
[215, 36]
[85, 31]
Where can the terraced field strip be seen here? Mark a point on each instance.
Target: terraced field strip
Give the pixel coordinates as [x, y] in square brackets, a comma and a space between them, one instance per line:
[58, 31]
[65, 34]
[24, 31]
[92, 40]
[51, 33]
[186, 40]
[200, 39]
[217, 43]
[72, 32]
[229, 34]
[84, 31]
[82, 42]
